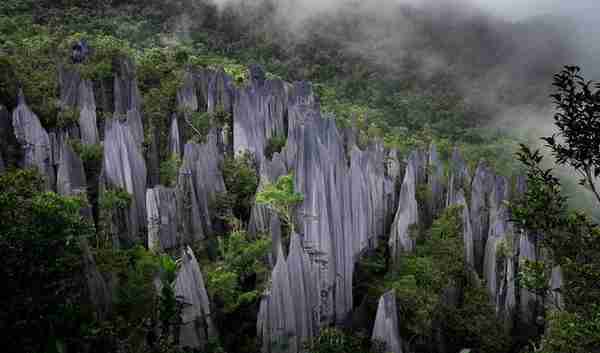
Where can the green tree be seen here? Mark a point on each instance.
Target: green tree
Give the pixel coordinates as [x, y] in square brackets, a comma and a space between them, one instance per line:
[281, 198]
[41, 306]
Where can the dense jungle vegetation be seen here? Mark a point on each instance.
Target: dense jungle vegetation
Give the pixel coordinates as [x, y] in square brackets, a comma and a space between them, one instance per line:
[46, 239]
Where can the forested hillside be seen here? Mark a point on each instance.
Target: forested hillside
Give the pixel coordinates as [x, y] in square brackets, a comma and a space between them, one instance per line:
[242, 176]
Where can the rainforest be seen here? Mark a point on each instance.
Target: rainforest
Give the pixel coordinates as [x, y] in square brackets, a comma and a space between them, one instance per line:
[279, 176]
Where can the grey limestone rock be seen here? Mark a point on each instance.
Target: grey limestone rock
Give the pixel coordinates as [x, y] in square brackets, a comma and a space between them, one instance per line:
[34, 142]
[259, 110]
[200, 180]
[481, 189]
[459, 199]
[408, 212]
[196, 319]
[459, 175]
[174, 138]
[276, 323]
[161, 204]
[124, 167]
[70, 179]
[436, 180]
[78, 93]
[386, 328]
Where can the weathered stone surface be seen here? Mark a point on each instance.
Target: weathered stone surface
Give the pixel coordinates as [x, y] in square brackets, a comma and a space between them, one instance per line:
[187, 98]
[436, 181]
[196, 322]
[70, 179]
[528, 300]
[408, 213]
[124, 167]
[386, 328]
[175, 138]
[77, 93]
[128, 100]
[2, 166]
[459, 199]
[556, 282]
[34, 141]
[259, 110]
[481, 189]
[220, 92]
[459, 175]
[260, 217]
[304, 292]
[200, 180]
[499, 266]
[276, 323]
[161, 204]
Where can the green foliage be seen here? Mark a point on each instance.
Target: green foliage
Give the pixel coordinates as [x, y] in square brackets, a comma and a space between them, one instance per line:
[331, 340]
[115, 199]
[420, 281]
[240, 259]
[241, 182]
[274, 144]
[534, 276]
[169, 170]
[89, 154]
[281, 198]
[572, 332]
[42, 268]
[577, 102]
[200, 122]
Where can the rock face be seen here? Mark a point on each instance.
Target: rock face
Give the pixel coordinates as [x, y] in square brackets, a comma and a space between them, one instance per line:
[71, 176]
[196, 322]
[259, 112]
[460, 179]
[499, 266]
[2, 166]
[436, 181]
[77, 93]
[128, 100]
[459, 200]
[161, 204]
[276, 323]
[386, 323]
[408, 213]
[34, 142]
[200, 180]
[481, 189]
[124, 168]
[174, 138]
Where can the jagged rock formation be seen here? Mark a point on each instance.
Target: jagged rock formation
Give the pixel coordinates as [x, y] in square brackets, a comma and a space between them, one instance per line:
[34, 141]
[175, 138]
[196, 321]
[200, 180]
[276, 323]
[386, 328]
[77, 93]
[436, 181]
[124, 167]
[128, 100]
[481, 189]
[259, 111]
[499, 266]
[408, 213]
[70, 178]
[2, 166]
[459, 199]
[161, 204]
[460, 179]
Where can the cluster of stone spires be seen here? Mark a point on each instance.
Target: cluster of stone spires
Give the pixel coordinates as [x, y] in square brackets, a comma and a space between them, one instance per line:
[350, 199]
